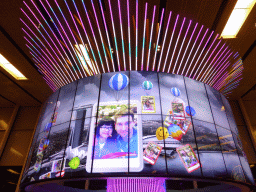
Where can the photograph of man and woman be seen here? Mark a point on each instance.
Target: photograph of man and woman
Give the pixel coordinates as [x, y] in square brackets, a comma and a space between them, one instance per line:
[116, 133]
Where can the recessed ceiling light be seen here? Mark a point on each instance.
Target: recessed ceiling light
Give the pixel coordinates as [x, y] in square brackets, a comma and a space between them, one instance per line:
[4, 63]
[237, 18]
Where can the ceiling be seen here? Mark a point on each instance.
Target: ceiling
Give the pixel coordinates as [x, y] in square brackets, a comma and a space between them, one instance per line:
[34, 91]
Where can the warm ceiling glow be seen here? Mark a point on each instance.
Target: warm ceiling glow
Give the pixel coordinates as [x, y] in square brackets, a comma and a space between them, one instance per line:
[3, 125]
[11, 69]
[237, 18]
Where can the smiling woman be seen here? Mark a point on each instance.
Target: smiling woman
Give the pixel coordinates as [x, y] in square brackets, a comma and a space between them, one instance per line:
[105, 143]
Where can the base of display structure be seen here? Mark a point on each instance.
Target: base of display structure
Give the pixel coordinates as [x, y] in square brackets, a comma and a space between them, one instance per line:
[136, 184]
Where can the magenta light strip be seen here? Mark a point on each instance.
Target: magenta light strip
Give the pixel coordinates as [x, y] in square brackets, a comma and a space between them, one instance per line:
[151, 33]
[191, 52]
[63, 39]
[54, 45]
[221, 83]
[210, 65]
[208, 60]
[37, 39]
[234, 75]
[113, 26]
[49, 84]
[100, 35]
[231, 88]
[122, 36]
[201, 69]
[129, 35]
[186, 50]
[43, 68]
[220, 65]
[200, 53]
[136, 50]
[106, 30]
[57, 41]
[162, 48]
[97, 71]
[210, 76]
[62, 83]
[227, 86]
[46, 67]
[236, 55]
[71, 45]
[237, 64]
[184, 19]
[221, 71]
[63, 31]
[51, 31]
[144, 31]
[234, 83]
[157, 41]
[184, 38]
[224, 92]
[175, 46]
[227, 94]
[225, 81]
[177, 18]
[79, 49]
[223, 77]
[42, 36]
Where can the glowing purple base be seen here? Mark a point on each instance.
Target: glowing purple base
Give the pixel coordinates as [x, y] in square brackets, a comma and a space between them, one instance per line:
[135, 184]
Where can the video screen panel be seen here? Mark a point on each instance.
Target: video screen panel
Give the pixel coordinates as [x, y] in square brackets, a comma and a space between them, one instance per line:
[209, 148]
[87, 95]
[154, 148]
[234, 168]
[155, 123]
[47, 161]
[65, 103]
[77, 147]
[230, 115]
[226, 140]
[247, 170]
[48, 112]
[217, 107]
[144, 88]
[181, 148]
[198, 100]
[173, 95]
[114, 87]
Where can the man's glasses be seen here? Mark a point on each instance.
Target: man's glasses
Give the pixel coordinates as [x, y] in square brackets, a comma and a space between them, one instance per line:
[124, 124]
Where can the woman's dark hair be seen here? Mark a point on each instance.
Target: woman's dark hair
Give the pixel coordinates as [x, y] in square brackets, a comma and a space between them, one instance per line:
[109, 122]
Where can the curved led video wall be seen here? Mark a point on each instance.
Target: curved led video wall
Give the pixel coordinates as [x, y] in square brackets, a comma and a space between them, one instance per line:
[136, 124]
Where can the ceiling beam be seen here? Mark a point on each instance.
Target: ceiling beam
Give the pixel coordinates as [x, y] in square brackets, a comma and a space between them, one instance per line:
[21, 88]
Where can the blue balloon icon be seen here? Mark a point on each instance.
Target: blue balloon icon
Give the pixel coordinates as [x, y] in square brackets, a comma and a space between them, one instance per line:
[118, 82]
[175, 91]
[190, 111]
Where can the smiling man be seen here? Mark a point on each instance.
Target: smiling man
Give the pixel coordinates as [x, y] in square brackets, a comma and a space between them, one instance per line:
[124, 125]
